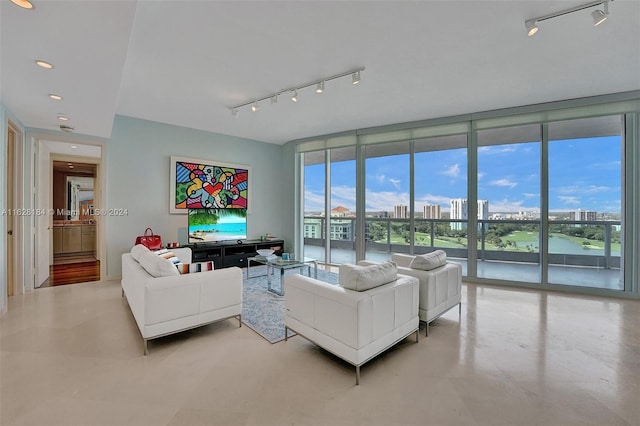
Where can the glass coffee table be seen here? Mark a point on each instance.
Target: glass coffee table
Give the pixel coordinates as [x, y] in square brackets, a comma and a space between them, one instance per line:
[282, 265]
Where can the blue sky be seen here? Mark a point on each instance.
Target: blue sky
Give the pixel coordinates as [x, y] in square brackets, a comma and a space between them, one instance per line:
[583, 173]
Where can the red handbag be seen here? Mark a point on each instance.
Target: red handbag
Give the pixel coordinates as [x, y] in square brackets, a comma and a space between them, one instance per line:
[150, 240]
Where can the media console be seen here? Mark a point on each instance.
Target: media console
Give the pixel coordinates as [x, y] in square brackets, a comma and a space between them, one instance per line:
[226, 254]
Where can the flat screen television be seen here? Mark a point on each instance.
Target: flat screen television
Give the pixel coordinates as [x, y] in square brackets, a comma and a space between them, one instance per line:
[213, 225]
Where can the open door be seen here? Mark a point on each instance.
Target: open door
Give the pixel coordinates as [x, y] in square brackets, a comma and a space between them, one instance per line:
[44, 223]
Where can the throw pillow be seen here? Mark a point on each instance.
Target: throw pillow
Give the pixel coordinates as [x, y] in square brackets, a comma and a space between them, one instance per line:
[156, 266]
[137, 251]
[429, 261]
[361, 278]
[190, 268]
[168, 255]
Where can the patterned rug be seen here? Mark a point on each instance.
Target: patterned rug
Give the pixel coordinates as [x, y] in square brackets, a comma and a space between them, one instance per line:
[263, 311]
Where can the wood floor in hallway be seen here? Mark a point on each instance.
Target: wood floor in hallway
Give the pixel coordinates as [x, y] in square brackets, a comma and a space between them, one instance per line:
[73, 273]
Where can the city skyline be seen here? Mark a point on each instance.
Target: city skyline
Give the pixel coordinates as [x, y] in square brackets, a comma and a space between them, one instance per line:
[583, 174]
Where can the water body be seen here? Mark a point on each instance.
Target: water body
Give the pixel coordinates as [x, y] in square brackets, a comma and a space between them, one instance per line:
[563, 246]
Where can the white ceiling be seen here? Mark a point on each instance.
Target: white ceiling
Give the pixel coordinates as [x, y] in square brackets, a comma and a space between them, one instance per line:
[186, 62]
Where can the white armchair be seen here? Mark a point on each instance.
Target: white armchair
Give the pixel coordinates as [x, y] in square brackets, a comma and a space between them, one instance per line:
[353, 325]
[440, 288]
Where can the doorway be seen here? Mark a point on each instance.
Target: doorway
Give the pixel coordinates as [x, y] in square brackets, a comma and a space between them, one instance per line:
[74, 224]
[11, 205]
[68, 248]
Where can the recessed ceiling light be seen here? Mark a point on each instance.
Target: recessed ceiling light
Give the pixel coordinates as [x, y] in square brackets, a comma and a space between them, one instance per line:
[44, 64]
[25, 4]
[74, 146]
[63, 118]
[55, 97]
[71, 166]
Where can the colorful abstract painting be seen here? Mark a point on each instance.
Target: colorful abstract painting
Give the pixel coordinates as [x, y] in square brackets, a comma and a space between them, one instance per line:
[203, 185]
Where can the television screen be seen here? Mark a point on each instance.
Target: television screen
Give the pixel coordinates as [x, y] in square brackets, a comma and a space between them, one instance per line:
[209, 225]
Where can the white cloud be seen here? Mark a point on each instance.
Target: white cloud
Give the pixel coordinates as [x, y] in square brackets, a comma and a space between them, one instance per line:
[481, 175]
[569, 199]
[452, 171]
[530, 195]
[395, 182]
[504, 182]
[384, 201]
[380, 178]
[499, 149]
[590, 189]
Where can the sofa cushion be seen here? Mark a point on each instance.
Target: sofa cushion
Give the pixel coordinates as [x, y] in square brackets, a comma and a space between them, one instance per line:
[137, 251]
[157, 266]
[429, 261]
[191, 268]
[361, 278]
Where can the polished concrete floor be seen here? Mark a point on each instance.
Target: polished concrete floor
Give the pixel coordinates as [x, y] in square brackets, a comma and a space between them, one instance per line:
[72, 355]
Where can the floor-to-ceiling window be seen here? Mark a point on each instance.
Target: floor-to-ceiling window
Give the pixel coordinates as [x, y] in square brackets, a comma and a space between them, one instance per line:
[540, 197]
[508, 203]
[585, 202]
[387, 196]
[314, 205]
[343, 205]
[440, 183]
[329, 233]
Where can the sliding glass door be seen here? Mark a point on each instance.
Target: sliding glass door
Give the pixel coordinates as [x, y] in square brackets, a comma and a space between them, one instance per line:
[508, 203]
[585, 202]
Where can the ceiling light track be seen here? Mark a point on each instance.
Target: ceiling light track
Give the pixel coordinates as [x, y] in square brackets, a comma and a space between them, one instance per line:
[320, 87]
[598, 16]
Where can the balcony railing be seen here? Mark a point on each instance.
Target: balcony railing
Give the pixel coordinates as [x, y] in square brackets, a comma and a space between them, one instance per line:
[571, 243]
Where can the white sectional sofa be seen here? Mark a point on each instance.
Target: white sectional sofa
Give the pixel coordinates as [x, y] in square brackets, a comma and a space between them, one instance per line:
[162, 305]
[354, 325]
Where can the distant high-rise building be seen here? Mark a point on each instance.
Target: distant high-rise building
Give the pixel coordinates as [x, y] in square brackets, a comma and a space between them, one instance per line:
[431, 211]
[459, 210]
[583, 215]
[400, 212]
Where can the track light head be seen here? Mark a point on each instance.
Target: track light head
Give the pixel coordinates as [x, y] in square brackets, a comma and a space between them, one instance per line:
[294, 97]
[532, 27]
[255, 107]
[274, 99]
[598, 17]
[234, 112]
[320, 87]
[355, 77]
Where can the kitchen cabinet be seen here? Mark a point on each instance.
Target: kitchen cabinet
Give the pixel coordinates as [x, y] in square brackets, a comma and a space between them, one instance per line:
[74, 239]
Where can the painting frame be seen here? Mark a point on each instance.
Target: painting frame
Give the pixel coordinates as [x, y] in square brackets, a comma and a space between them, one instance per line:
[174, 200]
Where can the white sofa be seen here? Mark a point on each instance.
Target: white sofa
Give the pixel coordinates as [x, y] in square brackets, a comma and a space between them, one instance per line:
[170, 304]
[353, 325]
[440, 288]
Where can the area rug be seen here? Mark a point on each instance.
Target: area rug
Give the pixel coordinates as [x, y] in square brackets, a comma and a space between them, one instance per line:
[263, 311]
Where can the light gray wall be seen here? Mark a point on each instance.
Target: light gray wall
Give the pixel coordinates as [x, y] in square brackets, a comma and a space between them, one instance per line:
[138, 176]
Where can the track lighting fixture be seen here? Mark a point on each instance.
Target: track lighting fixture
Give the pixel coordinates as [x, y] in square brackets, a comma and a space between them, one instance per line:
[598, 16]
[355, 79]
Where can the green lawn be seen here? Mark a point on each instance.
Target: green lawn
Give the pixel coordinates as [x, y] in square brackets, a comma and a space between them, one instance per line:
[423, 239]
